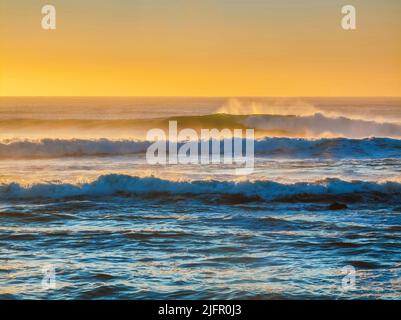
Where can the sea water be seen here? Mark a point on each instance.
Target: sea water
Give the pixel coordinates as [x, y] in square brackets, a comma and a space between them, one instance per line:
[78, 196]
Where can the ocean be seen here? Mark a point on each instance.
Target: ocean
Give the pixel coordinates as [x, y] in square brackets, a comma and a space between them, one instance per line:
[318, 218]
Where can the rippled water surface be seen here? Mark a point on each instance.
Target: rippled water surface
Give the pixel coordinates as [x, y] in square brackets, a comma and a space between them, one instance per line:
[314, 213]
[123, 247]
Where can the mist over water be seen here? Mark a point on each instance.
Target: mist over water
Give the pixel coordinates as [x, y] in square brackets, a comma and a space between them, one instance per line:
[130, 118]
[76, 192]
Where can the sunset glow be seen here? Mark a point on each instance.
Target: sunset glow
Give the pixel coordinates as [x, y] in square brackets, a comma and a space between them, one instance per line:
[200, 48]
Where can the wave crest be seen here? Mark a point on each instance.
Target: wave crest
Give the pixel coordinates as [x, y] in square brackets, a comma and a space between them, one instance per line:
[114, 184]
[316, 125]
[337, 148]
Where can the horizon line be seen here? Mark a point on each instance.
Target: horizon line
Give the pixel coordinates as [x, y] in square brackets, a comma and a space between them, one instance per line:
[201, 96]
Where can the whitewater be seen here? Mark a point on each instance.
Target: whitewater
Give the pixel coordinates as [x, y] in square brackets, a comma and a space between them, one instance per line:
[76, 192]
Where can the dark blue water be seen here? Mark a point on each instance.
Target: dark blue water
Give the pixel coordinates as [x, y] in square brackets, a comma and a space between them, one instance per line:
[83, 218]
[127, 247]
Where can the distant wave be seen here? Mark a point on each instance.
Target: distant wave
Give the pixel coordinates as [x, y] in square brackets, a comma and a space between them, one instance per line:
[309, 126]
[58, 148]
[115, 184]
[337, 148]
[318, 125]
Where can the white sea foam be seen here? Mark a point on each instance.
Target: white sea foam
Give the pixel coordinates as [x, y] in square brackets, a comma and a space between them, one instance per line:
[316, 125]
[114, 184]
[319, 125]
[53, 148]
[337, 148]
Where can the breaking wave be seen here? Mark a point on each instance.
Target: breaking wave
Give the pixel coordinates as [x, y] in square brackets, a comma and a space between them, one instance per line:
[318, 125]
[115, 184]
[337, 148]
[315, 125]
[57, 148]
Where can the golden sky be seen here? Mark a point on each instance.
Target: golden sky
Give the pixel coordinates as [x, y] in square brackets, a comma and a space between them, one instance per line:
[200, 48]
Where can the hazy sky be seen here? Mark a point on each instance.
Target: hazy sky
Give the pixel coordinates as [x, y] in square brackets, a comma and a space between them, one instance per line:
[200, 48]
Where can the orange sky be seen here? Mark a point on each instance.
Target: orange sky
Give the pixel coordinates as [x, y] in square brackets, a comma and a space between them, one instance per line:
[200, 48]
